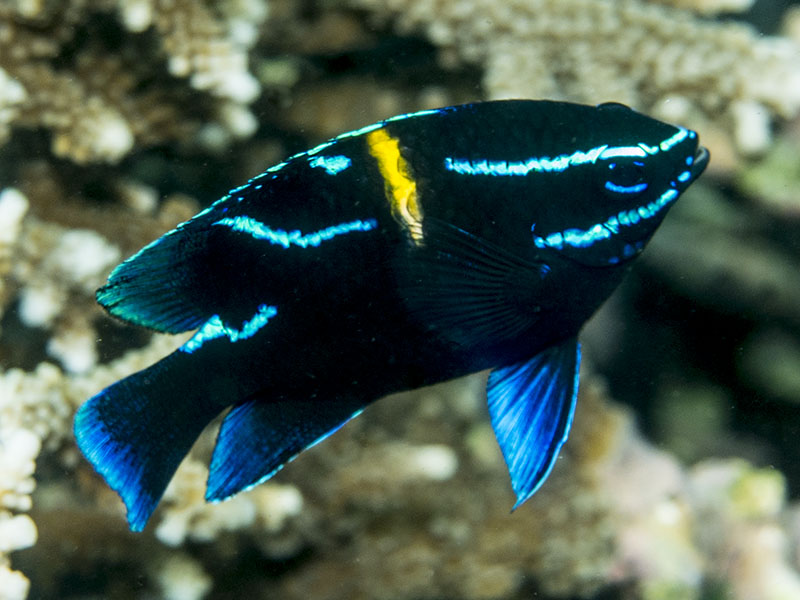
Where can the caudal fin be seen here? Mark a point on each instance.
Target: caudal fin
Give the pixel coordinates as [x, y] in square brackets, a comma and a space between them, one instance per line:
[136, 432]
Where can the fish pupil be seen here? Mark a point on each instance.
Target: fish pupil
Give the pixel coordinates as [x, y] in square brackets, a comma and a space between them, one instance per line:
[626, 173]
[626, 178]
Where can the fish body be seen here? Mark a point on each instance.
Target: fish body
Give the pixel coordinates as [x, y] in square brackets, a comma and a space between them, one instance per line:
[409, 252]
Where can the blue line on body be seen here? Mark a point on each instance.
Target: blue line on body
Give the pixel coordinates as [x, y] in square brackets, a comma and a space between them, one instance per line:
[280, 237]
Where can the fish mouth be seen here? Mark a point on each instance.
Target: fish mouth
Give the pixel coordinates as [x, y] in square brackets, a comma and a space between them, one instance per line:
[701, 158]
[625, 223]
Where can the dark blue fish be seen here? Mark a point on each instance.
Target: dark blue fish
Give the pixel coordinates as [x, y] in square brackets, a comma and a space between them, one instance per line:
[419, 249]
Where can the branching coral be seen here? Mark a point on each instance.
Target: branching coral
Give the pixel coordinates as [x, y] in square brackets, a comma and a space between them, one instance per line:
[18, 451]
[655, 58]
[54, 262]
[13, 206]
[710, 6]
[36, 410]
[410, 500]
[186, 515]
[209, 49]
[98, 103]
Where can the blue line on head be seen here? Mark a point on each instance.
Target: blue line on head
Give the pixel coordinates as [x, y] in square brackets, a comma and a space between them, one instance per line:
[675, 139]
[543, 164]
[580, 238]
[626, 189]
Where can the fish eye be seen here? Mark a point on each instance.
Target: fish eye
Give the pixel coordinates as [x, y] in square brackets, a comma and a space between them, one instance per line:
[625, 177]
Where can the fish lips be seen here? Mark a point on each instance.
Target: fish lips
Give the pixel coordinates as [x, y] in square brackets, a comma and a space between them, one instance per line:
[689, 175]
[701, 158]
[638, 235]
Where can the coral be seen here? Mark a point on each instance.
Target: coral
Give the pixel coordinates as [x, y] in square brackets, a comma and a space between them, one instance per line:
[212, 51]
[182, 578]
[45, 268]
[36, 410]
[186, 515]
[18, 450]
[412, 499]
[55, 263]
[13, 206]
[56, 268]
[739, 512]
[710, 6]
[99, 105]
[658, 59]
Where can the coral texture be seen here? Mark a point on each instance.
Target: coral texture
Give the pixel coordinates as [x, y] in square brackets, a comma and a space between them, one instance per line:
[100, 105]
[113, 116]
[658, 59]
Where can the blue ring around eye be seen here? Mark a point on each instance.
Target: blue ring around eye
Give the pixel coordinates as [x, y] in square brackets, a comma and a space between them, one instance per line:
[625, 189]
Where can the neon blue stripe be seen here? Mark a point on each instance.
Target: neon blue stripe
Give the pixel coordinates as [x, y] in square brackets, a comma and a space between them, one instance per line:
[332, 164]
[545, 164]
[580, 238]
[674, 140]
[626, 151]
[279, 237]
[626, 189]
[215, 328]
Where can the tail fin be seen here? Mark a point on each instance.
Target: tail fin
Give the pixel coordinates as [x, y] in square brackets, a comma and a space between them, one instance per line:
[136, 432]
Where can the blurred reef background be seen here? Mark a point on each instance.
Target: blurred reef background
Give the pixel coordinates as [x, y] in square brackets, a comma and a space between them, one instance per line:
[681, 480]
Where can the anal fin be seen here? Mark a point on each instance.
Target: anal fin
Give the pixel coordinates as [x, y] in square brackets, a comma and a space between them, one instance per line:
[259, 436]
[531, 404]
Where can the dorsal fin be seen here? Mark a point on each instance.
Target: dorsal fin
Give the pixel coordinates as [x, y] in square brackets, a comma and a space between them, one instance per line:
[154, 287]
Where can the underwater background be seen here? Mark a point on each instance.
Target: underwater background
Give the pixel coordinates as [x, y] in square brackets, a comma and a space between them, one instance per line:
[681, 478]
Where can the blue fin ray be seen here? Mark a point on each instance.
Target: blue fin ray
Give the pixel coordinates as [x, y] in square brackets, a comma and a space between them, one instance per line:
[135, 438]
[531, 405]
[259, 436]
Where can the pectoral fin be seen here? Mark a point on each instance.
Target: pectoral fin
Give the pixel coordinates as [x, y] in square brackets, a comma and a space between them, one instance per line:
[531, 405]
[468, 289]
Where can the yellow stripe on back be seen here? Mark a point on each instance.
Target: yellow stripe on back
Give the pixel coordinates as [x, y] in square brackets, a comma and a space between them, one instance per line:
[401, 189]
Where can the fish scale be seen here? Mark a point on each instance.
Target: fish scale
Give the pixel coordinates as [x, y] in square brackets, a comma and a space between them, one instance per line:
[414, 250]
